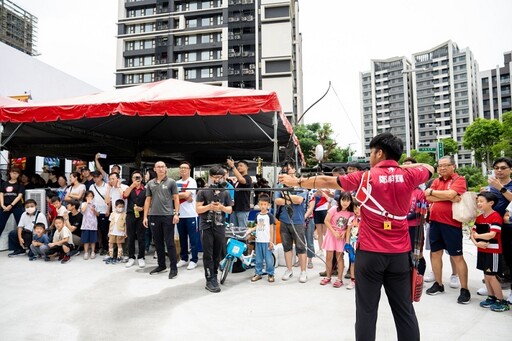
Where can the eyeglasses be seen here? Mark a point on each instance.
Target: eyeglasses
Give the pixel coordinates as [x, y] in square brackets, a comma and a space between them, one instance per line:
[183, 168]
[501, 168]
[444, 166]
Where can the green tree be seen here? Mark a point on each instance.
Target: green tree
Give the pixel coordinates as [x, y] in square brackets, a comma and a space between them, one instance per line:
[450, 146]
[505, 145]
[310, 135]
[420, 157]
[481, 136]
[474, 177]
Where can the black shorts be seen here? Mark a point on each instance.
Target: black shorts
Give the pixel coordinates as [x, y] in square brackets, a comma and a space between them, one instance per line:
[489, 263]
[319, 216]
[445, 237]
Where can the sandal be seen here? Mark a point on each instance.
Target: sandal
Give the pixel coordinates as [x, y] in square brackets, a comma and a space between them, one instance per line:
[325, 281]
[338, 284]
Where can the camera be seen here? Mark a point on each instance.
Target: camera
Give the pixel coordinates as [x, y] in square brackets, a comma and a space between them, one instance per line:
[229, 157]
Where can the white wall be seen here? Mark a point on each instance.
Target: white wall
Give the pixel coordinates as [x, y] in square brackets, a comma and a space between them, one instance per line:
[277, 39]
[282, 86]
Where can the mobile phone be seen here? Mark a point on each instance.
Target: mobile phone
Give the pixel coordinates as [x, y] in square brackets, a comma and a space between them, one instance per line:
[102, 156]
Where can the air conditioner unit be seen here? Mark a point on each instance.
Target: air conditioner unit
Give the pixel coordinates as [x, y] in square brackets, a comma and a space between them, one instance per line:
[39, 195]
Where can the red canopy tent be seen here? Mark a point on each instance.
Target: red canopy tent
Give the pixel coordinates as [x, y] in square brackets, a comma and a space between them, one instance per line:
[170, 119]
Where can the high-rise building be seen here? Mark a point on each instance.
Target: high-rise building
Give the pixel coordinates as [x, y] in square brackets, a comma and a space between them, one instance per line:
[445, 95]
[238, 43]
[18, 28]
[386, 103]
[495, 85]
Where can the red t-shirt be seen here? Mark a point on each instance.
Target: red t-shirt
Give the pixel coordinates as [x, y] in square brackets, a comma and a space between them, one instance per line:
[494, 221]
[391, 187]
[441, 211]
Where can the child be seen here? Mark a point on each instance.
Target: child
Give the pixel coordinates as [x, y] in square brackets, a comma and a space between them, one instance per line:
[116, 233]
[350, 246]
[89, 225]
[264, 237]
[62, 242]
[20, 239]
[486, 235]
[337, 220]
[40, 242]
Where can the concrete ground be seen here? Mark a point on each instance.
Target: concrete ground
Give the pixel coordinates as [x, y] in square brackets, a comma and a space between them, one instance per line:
[88, 300]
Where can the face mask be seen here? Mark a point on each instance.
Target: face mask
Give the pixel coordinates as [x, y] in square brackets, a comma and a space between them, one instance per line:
[119, 210]
[30, 210]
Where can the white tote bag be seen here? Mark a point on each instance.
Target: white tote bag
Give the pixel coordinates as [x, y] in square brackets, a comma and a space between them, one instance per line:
[465, 210]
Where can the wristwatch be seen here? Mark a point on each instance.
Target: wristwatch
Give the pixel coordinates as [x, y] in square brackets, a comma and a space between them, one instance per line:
[503, 190]
[177, 213]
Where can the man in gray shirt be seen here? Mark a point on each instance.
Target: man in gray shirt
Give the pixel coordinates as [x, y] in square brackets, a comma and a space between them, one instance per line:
[161, 213]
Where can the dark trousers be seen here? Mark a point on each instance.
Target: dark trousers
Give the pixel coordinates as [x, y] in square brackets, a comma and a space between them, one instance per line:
[163, 235]
[213, 240]
[135, 229]
[4, 216]
[373, 270]
[103, 226]
[14, 242]
[187, 229]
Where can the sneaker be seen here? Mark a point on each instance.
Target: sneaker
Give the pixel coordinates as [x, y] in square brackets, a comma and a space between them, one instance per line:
[464, 297]
[482, 291]
[287, 275]
[489, 301]
[86, 255]
[212, 286]
[310, 265]
[192, 266]
[271, 278]
[16, 253]
[454, 282]
[32, 258]
[173, 274]
[157, 270]
[429, 278]
[124, 259]
[435, 289]
[47, 259]
[181, 263]
[256, 278]
[325, 281]
[93, 255]
[337, 284]
[500, 306]
[75, 252]
[351, 285]
[303, 277]
[130, 263]
[141, 262]
[65, 259]
[114, 260]
[108, 260]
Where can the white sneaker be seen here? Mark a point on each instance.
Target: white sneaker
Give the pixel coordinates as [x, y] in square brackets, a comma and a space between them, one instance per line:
[303, 277]
[429, 278]
[130, 263]
[141, 262]
[454, 281]
[287, 275]
[482, 291]
[510, 298]
[93, 255]
[351, 285]
[192, 266]
[86, 255]
[181, 263]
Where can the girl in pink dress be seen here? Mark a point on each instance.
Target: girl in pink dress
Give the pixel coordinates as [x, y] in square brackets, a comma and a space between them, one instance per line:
[337, 220]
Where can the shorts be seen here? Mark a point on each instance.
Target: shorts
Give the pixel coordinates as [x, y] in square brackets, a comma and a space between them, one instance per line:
[489, 263]
[445, 237]
[116, 239]
[288, 236]
[319, 216]
[89, 236]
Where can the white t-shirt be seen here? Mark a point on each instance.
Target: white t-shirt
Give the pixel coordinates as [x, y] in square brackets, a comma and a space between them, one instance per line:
[63, 233]
[263, 222]
[187, 209]
[77, 190]
[27, 221]
[116, 194]
[99, 202]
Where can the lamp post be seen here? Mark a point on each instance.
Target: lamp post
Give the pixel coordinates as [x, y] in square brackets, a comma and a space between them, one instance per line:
[350, 151]
[438, 128]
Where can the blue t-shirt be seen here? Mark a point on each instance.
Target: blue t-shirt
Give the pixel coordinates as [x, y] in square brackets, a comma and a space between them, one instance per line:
[502, 203]
[298, 210]
[43, 239]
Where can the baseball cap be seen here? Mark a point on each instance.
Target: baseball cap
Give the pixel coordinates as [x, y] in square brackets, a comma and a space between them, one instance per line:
[84, 168]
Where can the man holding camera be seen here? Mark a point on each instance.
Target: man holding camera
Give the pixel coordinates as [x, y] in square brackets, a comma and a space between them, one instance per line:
[161, 213]
[136, 196]
[242, 205]
[212, 204]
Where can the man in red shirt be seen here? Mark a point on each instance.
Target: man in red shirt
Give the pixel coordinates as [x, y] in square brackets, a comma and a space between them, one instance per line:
[383, 251]
[446, 232]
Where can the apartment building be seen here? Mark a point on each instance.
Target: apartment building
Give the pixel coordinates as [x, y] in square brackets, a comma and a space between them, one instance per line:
[18, 28]
[495, 84]
[237, 43]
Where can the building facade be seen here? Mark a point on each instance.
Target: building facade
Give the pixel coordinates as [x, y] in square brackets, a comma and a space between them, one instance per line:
[386, 103]
[18, 28]
[237, 43]
[495, 86]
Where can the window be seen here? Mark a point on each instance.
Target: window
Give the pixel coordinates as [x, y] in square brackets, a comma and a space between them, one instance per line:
[205, 55]
[206, 73]
[277, 66]
[191, 23]
[206, 21]
[190, 40]
[277, 12]
[190, 74]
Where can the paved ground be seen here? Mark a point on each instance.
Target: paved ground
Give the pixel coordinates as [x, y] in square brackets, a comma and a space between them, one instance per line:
[88, 300]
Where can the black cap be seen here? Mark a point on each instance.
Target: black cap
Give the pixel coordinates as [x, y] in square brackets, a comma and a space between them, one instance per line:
[84, 168]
